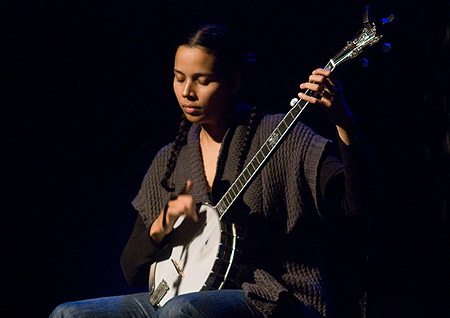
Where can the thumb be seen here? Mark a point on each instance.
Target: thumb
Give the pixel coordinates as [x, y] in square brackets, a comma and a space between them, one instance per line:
[188, 187]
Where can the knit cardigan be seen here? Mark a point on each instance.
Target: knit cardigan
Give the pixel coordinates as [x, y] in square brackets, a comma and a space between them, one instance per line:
[280, 211]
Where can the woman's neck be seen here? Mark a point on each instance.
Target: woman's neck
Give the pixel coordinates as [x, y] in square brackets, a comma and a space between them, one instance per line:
[210, 145]
[214, 133]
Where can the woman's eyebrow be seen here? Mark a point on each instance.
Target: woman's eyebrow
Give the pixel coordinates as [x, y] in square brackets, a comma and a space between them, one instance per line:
[194, 75]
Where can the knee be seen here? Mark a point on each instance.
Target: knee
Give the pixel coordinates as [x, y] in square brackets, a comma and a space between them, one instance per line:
[180, 306]
[66, 310]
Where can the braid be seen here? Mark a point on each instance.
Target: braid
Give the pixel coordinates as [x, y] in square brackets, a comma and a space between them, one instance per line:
[255, 118]
[180, 141]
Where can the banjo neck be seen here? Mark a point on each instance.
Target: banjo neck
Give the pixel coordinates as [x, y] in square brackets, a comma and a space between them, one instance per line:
[265, 152]
[366, 37]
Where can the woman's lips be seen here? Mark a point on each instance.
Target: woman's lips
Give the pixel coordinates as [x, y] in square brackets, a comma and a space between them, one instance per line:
[190, 109]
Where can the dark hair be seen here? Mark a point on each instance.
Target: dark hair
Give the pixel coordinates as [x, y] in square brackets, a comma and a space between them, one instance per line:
[231, 57]
[225, 45]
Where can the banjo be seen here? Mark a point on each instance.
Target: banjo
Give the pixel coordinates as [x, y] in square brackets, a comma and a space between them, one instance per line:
[201, 255]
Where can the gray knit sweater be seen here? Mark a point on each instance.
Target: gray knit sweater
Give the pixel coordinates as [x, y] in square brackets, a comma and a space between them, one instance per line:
[281, 211]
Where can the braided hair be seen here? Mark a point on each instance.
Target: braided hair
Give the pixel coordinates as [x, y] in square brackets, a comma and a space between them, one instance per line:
[230, 59]
[180, 141]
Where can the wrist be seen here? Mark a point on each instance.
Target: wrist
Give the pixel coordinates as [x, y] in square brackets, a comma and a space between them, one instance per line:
[347, 133]
[157, 232]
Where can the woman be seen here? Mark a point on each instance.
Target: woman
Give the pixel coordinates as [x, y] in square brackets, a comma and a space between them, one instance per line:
[282, 214]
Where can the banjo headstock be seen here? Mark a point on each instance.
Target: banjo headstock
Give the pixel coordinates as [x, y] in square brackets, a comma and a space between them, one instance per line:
[366, 37]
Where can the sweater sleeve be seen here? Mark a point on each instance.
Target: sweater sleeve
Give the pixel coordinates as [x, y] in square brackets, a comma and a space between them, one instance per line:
[139, 253]
[350, 185]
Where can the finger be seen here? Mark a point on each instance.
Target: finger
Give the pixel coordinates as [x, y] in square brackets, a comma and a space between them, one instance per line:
[323, 86]
[188, 208]
[191, 208]
[327, 96]
[326, 101]
[188, 187]
[182, 207]
[316, 87]
[319, 79]
[327, 77]
[312, 99]
[322, 72]
[193, 212]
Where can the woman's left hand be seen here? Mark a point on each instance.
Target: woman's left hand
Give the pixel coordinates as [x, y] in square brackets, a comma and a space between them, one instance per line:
[329, 95]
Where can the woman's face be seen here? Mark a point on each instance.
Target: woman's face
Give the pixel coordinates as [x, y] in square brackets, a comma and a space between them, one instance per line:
[202, 95]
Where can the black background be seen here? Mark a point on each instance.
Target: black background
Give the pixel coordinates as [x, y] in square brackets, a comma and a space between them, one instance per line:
[87, 101]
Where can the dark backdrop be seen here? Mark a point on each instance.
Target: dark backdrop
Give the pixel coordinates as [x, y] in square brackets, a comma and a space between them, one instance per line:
[87, 101]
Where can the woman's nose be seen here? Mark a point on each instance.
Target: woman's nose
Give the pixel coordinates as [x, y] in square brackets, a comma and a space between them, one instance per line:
[188, 90]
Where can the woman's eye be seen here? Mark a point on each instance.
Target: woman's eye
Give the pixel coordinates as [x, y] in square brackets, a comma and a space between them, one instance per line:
[203, 81]
[179, 80]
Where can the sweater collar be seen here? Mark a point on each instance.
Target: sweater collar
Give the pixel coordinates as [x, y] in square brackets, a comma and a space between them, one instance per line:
[197, 172]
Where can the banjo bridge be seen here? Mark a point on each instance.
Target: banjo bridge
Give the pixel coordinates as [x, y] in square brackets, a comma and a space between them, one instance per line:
[177, 267]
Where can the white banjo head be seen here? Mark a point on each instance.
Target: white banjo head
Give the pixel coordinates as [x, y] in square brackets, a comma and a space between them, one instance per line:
[193, 254]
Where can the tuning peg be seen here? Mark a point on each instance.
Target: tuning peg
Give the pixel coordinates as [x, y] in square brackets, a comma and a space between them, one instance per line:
[364, 62]
[386, 47]
[388, 19]
[293, 102]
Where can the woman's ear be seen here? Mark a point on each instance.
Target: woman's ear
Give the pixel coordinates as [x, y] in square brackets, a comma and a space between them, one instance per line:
[238, 79]
[244, 73]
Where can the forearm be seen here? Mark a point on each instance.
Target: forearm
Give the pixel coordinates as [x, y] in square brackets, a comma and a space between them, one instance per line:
[137, 256]
[361, 178]
[351, 186]
[347, 133]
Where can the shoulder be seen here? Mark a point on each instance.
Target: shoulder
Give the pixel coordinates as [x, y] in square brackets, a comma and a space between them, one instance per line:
[271, 121]
[163, 154]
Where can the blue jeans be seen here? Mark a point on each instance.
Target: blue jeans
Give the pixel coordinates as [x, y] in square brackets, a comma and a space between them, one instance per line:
[217, 303]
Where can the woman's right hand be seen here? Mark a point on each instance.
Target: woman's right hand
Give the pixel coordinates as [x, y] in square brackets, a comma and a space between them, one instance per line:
[182, 205]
